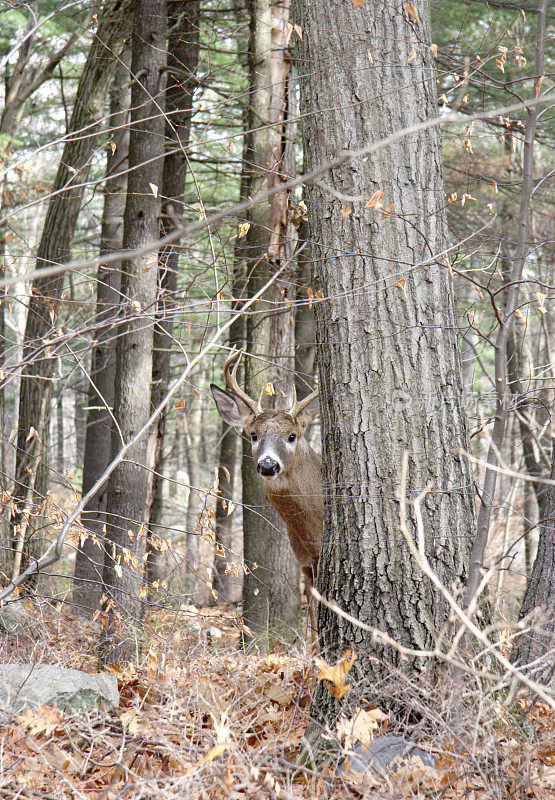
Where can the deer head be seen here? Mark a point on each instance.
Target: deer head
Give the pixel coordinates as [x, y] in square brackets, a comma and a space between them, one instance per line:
[276, 436]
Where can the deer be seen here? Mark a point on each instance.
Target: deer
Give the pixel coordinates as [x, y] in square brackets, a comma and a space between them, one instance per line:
[289, 468]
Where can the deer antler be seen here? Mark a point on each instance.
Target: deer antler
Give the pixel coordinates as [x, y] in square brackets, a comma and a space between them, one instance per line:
[233, 384]
[297, 406]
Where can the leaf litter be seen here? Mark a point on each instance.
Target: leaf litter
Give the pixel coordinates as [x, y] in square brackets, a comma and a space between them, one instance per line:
[214, 722]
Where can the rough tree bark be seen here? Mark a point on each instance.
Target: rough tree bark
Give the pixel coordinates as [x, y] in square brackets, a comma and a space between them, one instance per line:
[534, 649]
[89, 559]
[305, 333]
[390, 377]
[183, 48]
[41, 334]
[224, 581]
[258, 269]
[126, 492]
[284, 605]
[193, 422]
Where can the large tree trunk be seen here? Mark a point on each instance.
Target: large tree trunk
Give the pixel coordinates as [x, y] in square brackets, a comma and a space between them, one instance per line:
[55, 247]
[126, 493]
[534, 649]
[390, 376]
[183, 48]
[89, 560]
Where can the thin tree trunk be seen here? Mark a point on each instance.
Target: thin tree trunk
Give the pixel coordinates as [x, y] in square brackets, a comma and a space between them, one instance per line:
[506, 323]
[531, 518]
[305, 332]
[183, 48]
[89, 560]
[4, 475]
[59, 403]
[390, 375]
[40, 350]
[194, 503]
[534, 649]
[126, 492]
[258, 268]
[284, 606]
[224, 582]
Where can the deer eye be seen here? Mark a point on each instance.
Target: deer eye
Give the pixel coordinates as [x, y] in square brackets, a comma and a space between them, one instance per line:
[292, 437]
[254, 437]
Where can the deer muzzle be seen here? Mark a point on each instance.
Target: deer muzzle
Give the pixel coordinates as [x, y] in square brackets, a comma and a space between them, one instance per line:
[267, 466]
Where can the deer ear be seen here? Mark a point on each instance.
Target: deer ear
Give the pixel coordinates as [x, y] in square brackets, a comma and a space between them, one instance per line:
[231, 409]
[309, 412]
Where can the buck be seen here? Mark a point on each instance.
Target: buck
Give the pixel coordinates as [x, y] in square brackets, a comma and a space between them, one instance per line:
[290, 470]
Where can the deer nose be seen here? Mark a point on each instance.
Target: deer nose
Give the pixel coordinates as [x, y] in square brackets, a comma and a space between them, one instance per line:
[267, 466]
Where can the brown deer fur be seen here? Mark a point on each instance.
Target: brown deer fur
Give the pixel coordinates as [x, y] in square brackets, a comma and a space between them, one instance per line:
[290, 469]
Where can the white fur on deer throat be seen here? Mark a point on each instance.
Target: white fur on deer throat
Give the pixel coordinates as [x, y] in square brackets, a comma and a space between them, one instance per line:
[274, 483]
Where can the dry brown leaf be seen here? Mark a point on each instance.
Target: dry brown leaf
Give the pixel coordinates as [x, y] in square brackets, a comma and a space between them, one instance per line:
[376, 201]
[345, 212]
[416, 775]
[46, 719]
[388, 211]
[334, 677]
[277, 695]
[361, 726]
[539, 85]
[358, 3]
[412, 12]
[541, 300]
[402, 284]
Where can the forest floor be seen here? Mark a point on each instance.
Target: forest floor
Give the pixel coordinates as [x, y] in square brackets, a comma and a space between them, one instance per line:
[202, 719]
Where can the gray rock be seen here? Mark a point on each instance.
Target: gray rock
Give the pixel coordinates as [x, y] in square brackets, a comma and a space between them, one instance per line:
[384, 754]
[23, 685]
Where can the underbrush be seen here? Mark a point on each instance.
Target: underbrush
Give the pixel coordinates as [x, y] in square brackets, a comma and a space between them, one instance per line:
[201, 719]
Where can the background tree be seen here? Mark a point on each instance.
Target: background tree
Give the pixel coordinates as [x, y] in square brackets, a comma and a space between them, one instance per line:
[127, 486]
[533, 649]
[54, 249]
[89, 559]
[183, 51]
[271, 573]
